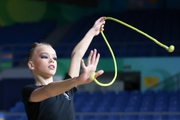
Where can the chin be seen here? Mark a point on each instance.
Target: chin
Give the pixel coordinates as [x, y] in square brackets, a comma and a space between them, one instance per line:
[50, 74]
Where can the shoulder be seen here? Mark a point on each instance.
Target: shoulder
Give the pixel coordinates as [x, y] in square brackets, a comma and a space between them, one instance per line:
[67, 76]
[29, 88]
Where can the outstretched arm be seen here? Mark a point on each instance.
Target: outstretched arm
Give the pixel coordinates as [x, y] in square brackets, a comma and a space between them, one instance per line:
[58, 87]
[80, 49]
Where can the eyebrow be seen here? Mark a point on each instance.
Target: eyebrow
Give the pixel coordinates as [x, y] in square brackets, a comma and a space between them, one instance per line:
[47, 53]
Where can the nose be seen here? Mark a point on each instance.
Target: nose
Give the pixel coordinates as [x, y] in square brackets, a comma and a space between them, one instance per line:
[51, 60]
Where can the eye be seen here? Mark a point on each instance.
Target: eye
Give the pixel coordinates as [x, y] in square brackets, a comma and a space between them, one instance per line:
[44, 57]
[55, 58]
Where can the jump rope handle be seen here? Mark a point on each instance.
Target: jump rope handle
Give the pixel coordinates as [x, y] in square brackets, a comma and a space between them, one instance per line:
[169, 49]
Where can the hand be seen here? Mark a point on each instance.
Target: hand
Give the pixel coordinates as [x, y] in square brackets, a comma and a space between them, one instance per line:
[92, 63]
[99, 25]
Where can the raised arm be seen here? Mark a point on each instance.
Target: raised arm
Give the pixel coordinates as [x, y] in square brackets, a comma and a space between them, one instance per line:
[80, 49]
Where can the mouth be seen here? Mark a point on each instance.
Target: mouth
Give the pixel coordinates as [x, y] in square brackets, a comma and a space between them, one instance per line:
[52, 67]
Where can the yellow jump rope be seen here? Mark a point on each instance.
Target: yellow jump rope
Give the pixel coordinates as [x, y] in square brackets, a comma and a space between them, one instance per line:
[169, 49]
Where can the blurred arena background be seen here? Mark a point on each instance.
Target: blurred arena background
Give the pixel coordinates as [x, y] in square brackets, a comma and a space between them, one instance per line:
[147, 86]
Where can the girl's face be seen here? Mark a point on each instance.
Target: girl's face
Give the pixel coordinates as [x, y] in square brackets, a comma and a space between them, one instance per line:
[44, 61]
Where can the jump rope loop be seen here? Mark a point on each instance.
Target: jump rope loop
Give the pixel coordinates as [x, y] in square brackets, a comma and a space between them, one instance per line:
[169, 49]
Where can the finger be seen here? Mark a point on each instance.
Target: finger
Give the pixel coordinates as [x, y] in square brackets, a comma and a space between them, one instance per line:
[101, 29]
[102, 26]
[98, 73]
[94, 57]
[102, 19]
[97, 59]
[103, 22]
[82, 64]
[89, 58]
[99, 20]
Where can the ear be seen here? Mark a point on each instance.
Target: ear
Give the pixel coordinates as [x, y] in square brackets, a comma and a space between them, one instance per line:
[30, 65]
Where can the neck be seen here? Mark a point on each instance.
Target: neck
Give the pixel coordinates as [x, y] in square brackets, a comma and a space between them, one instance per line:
[43, 81]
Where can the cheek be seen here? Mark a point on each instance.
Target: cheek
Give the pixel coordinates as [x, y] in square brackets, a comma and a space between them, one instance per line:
[39, 64]
[56, 65]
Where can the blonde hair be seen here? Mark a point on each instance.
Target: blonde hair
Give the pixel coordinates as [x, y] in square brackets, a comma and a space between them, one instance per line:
[33, 47]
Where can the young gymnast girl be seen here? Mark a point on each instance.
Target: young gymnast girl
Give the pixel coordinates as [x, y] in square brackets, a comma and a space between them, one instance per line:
[53, 100]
